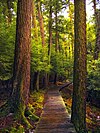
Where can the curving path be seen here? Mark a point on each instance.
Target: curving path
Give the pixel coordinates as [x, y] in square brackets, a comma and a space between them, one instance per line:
[54, 117]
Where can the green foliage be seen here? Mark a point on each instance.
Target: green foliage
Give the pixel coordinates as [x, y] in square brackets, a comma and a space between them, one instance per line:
[61, 64]
[31, 115]
[38, 98]
[19, 129]
[39, 57]
[94, 74]
[93, 66]
[7, 43]
[91, 37]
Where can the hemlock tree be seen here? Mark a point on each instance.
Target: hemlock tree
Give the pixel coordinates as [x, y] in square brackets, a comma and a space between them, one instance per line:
[50, 30]
[35, 76]
[21, 73]
[18, 102]
[79, 79]
[41, 23]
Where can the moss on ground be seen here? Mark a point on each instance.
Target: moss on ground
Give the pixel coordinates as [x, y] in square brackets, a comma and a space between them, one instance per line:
[12, 124]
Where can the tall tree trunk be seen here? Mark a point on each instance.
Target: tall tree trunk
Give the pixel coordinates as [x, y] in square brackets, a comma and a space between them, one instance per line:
[43, 39]
[21, 73]
[55, 78]
[18, 102]
[79, 80]
[97, 44]
[42, 34]
[34, 23]
[36, 81]
[41, 23]
[32, 83]
[72, 40]
[56, 37]
[50, 32]
[35, 78]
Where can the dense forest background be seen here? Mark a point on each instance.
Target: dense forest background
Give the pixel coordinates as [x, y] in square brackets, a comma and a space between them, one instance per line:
[60, 62]
[52, 44]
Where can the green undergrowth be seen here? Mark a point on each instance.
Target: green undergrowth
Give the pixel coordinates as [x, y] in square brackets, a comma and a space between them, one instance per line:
[92, 112]
[38, 98]
[32, 115]
[18, 129]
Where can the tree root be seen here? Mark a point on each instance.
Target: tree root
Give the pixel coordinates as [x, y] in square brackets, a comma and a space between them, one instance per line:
[25, 122]
[20, 114]
[30, 115]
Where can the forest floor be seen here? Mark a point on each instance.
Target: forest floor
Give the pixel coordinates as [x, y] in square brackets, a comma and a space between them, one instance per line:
[36, 101]
[92, 112]
[8, 124]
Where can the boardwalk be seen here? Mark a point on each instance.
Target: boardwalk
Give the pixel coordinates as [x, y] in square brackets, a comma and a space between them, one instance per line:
[54, 117]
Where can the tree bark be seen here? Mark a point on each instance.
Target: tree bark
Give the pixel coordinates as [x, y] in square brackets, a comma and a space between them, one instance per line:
[42, 34]
[97, 44]
[21, 73]
[56, 35]
[78, 116]
[55, 78]
[56, 38]
[34, 23]
[41, 23]
[50, 32]
[18, 102]
[72, 38]
[36, 81]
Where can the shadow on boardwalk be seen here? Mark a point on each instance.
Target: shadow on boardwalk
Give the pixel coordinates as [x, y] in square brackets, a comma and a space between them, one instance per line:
[54, 117]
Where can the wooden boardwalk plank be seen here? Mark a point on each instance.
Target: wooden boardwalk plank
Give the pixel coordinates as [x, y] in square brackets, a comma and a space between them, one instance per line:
[54, 117]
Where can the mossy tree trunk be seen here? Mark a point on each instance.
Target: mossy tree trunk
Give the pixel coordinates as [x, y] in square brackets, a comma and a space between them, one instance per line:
[21, 72]
[56, 37]
[50, 32]
[35, 81]
[56, 27]
[71, 49]
[34, 22]
[55, 78]
[79, 79]
[41, 23]
[35, 78]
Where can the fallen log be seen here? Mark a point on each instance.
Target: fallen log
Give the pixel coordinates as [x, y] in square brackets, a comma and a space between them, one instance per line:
[65, 85]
